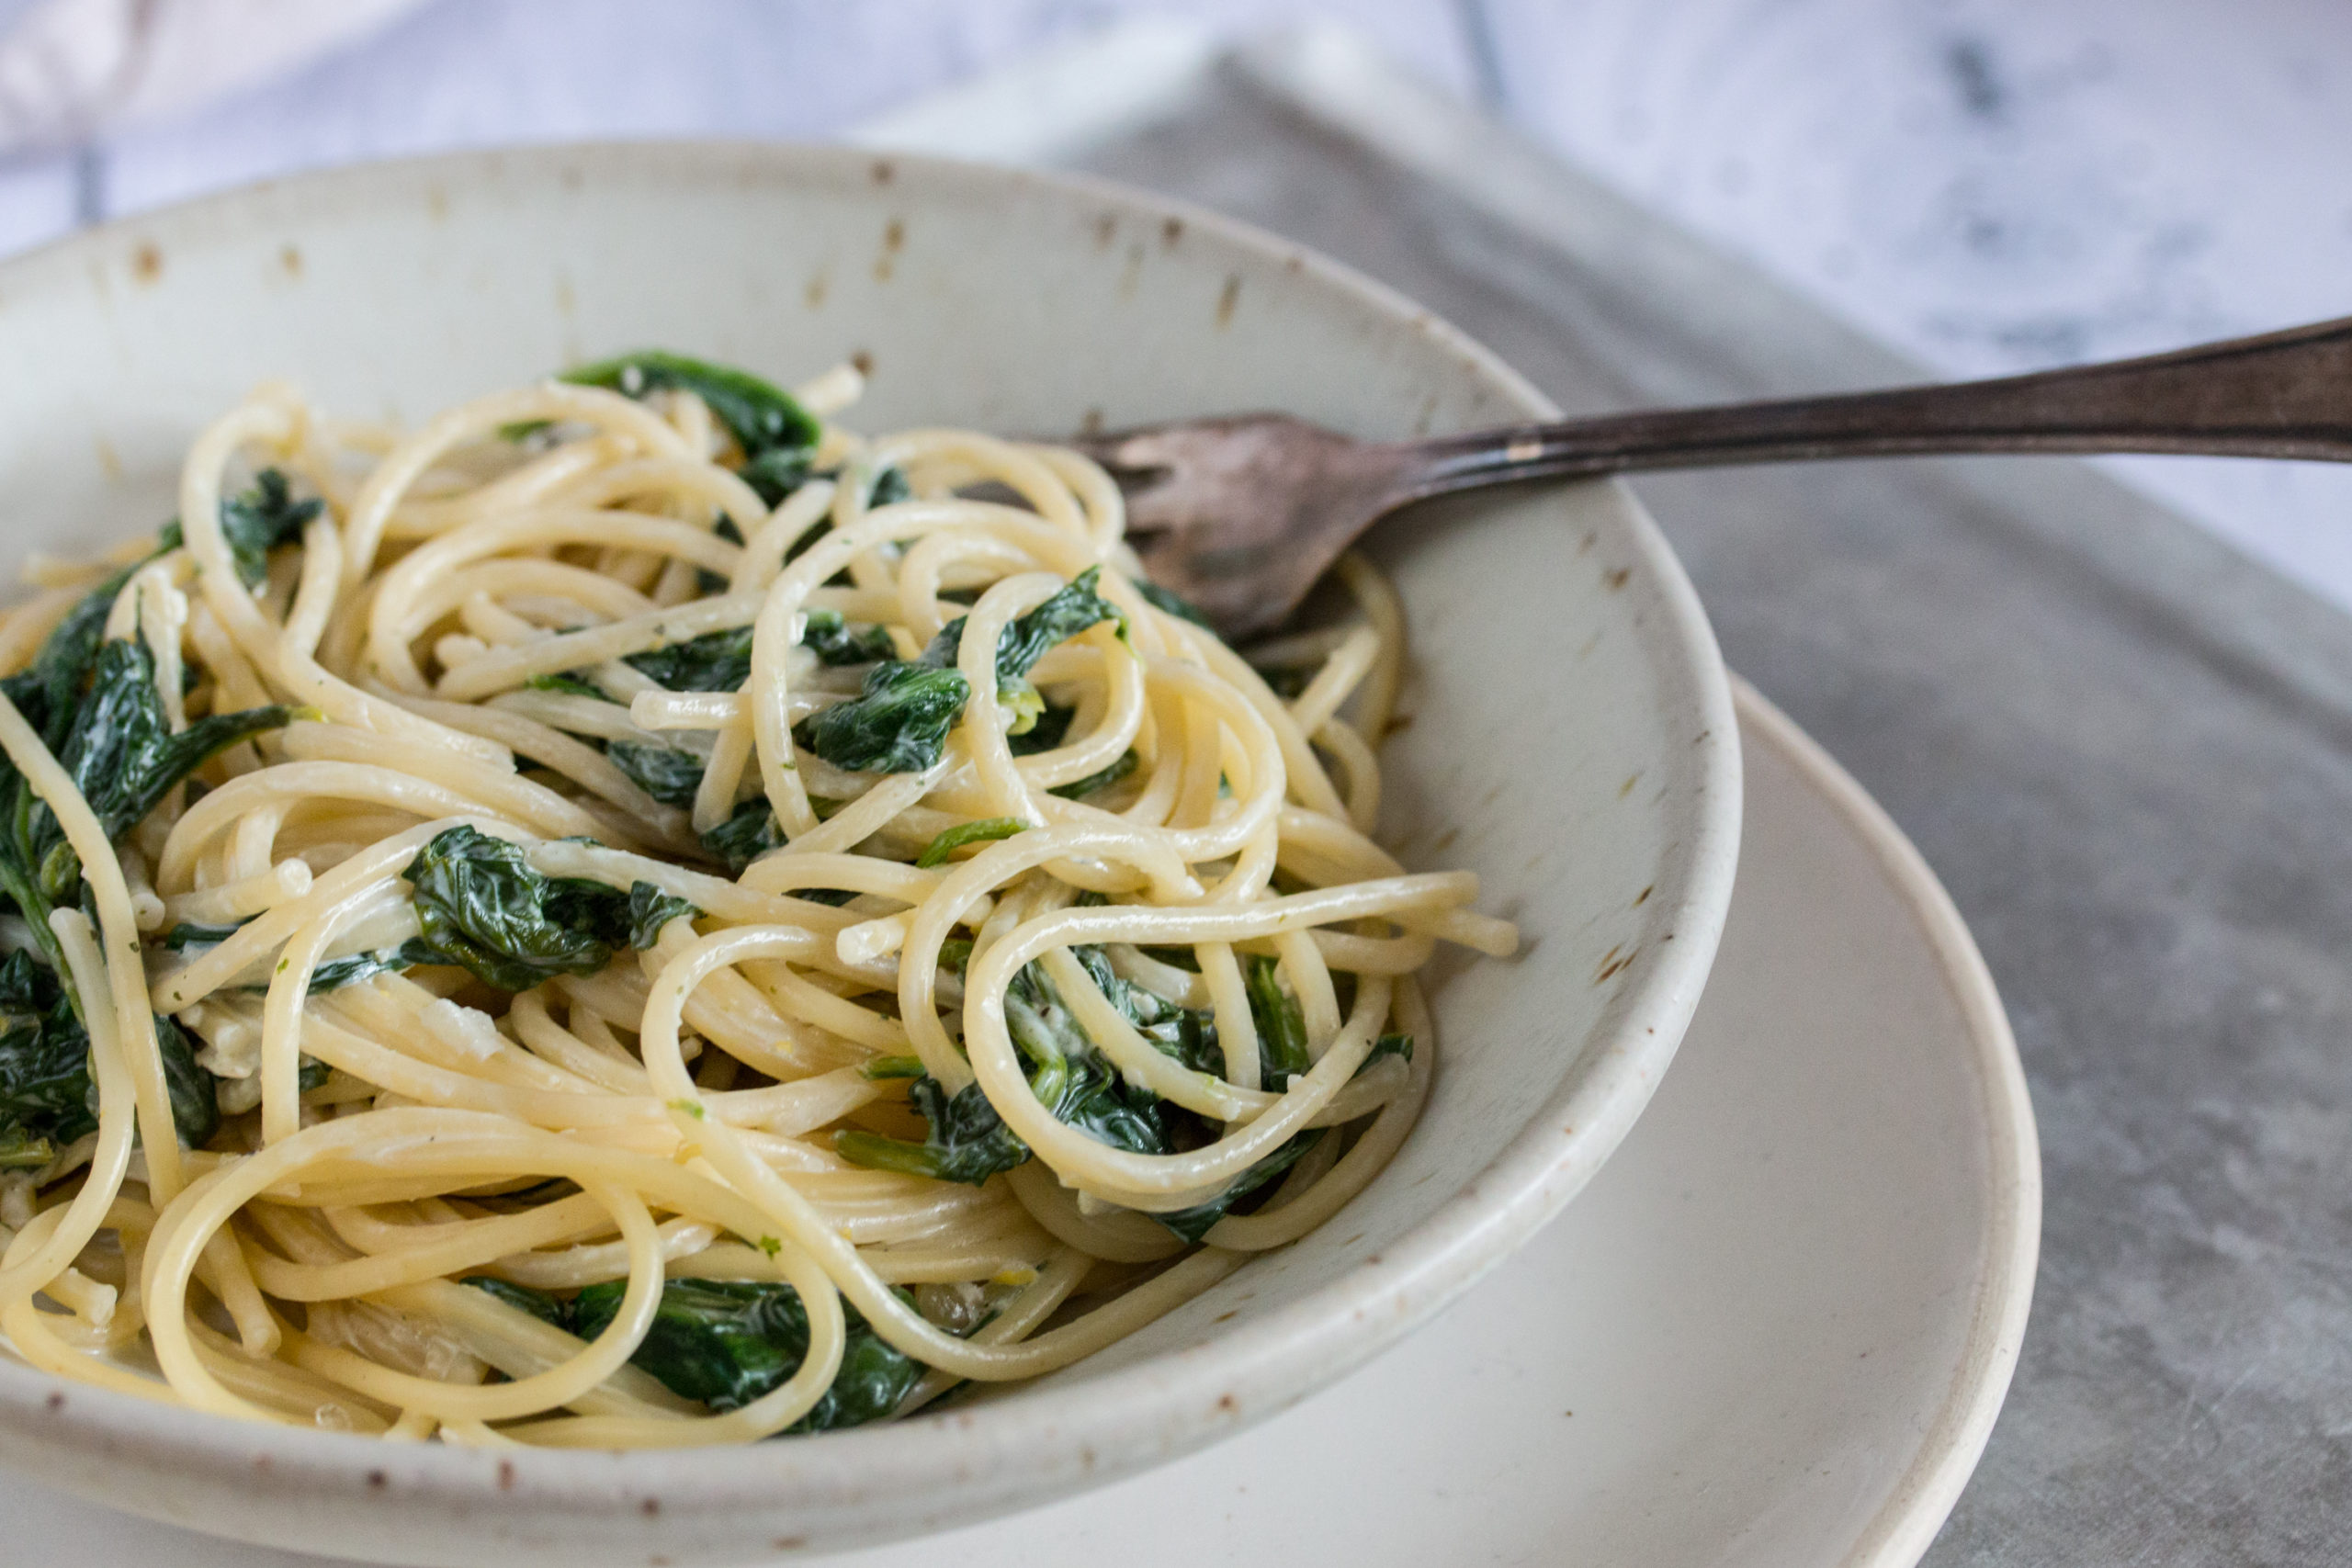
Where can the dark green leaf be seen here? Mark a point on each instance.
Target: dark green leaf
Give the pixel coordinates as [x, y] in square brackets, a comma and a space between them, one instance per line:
[47, 691]
[188, 934]
[776, 473]
[898, 724]
[827, 637]
[1027, 639]
[571, 685]
[262, 519]
[1197, 1222]
[729, 1342]
[46, 1095]
[1160, 598]
[888, 486]
[195, 1106]
[967, 1141]
[744, 837]
[120, 750]
[668, 774]
[1282, 1028]
[715, 661]
[955, 838]
[1127, 763]
[650, 910]
[1069, 612]
[1047, 725]
[1286, 681]
[480, 905]
[354, 967]
[762, 417]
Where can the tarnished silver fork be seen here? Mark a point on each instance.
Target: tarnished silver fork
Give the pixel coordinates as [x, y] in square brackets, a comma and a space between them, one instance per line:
[1241, 514]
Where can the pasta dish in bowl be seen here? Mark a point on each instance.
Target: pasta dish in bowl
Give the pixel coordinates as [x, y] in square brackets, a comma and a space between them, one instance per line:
[559, 934]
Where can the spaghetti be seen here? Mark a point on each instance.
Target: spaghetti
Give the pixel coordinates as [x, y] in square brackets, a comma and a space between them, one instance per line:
[633, 916]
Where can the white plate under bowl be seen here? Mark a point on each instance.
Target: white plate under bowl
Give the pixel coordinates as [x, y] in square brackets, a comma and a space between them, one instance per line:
[1773, 1333]
[1574, 742]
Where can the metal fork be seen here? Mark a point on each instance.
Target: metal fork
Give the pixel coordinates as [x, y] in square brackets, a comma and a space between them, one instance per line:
[1241, 514]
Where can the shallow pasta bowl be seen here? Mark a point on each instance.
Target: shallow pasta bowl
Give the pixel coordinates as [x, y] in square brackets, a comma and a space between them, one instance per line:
[1571, 738]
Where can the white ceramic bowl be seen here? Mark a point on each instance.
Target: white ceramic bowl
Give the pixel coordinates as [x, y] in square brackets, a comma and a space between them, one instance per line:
[1572, 737]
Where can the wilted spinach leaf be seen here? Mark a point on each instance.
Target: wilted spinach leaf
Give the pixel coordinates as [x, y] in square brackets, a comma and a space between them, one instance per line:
[968, 1142]
[1197, 1222]
[668, 774]
[1126, 762]
[650, 910]
[955, 838]
[715, 661]
[778, 437]
[571, 685]
[1282, 1029]
[46, 1096]
[262, 519]
[480, 905]
[827, 637]
[120, 749]
[729, 1342]
[1160, 598]
[196, 1105]
[899, 722]
[744, 837]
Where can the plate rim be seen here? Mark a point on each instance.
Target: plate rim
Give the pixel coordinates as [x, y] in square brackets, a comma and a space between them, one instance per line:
[1899, 1532]
[1260, 1368]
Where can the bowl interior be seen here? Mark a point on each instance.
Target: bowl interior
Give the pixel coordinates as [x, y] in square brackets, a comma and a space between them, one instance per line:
[1568, 735]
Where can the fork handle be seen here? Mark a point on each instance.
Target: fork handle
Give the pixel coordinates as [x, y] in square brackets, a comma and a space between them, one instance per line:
[2285, 394]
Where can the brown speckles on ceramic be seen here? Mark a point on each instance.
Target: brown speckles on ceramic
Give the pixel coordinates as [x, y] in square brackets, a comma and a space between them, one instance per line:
[1228, 298]
[886, 260]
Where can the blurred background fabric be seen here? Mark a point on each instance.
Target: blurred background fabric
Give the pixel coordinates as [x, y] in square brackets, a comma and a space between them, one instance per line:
[1987, 184]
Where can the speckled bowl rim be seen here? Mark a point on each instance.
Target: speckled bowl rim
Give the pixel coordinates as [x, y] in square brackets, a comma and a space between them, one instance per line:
[964, 1466]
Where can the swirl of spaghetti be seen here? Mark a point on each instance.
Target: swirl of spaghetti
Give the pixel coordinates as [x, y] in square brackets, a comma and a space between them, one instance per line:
[635, 916]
